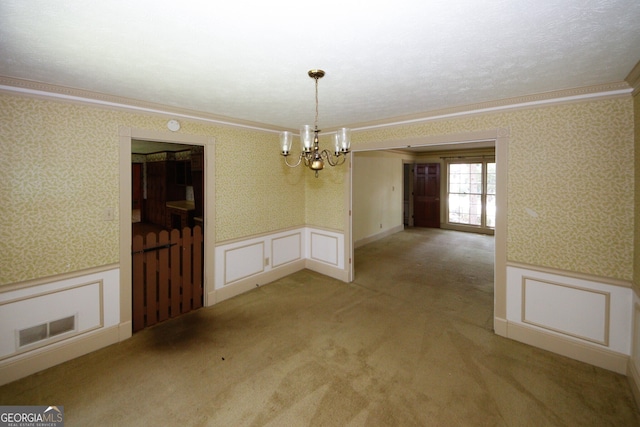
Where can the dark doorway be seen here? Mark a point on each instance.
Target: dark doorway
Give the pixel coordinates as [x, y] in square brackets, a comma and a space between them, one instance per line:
[137, 191]
[167, 230]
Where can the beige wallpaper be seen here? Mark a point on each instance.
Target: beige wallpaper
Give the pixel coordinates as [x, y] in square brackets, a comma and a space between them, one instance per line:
[59, 172]
[570, 164]
[570, 182]
[325, 195]
[255, 191]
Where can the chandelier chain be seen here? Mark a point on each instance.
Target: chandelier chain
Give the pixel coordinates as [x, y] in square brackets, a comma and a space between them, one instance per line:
[316, 122]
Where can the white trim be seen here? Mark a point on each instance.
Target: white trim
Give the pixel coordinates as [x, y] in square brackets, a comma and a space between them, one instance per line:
[126, 134]
[592, 313]
[45, 357]
[378, 236]
[122, 105]
[501, 138]
[601, 357]
[290, 249]
[499, 108]
[633, 376]
[44, 90]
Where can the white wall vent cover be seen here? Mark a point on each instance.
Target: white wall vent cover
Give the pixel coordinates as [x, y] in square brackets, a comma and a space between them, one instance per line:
[46, 331]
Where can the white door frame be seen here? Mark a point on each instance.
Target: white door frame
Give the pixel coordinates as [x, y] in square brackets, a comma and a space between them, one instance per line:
[126, 134]
[501, 138]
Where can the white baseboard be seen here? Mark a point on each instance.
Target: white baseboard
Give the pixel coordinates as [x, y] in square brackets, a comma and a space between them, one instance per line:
[603, 358]
[125, 330]
[327, 270]
[500, 326]
[29, 363]
[377, 236]
[633, 377]
[244, 285]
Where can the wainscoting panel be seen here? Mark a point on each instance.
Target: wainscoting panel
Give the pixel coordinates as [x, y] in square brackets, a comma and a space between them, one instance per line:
[244, 264]
[243, 261]
[81, 303]
[48, 322]
[286, 249]
[324, 247]
[578, 312]
[579, 317]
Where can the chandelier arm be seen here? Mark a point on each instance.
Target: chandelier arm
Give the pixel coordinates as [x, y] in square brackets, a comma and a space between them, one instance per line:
[332, 159]
[328, 157]
[293, 166]
[339, 161]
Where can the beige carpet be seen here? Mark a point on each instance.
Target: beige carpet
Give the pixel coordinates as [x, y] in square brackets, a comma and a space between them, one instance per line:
[408, 343]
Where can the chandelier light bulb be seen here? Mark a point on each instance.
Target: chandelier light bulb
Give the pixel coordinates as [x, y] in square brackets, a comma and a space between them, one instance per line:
[306, 138]
[286, 138]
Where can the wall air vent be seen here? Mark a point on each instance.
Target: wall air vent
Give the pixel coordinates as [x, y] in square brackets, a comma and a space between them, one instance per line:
[46, 331]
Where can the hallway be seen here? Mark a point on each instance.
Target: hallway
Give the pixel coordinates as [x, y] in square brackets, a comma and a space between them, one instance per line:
[409, 342]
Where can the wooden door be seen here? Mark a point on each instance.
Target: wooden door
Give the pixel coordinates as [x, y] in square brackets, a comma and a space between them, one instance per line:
[426, 195]
[155, 209]
[136, 186]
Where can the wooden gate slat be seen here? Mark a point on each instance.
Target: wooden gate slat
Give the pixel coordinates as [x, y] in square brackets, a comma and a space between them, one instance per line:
[187, 284]
[175, 272]
[166, 283]
[151, 282]
[197, 267]
[163, 277]
[137, 283]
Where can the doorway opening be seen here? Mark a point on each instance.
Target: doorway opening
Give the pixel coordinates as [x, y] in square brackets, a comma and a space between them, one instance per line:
[167, 218]
[498, 139]
[167, 186]
[128, 137]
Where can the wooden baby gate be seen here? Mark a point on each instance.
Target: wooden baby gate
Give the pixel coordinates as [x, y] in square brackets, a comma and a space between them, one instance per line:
[167, 275]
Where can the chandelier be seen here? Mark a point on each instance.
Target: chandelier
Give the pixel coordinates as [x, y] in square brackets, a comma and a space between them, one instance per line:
[310, 152]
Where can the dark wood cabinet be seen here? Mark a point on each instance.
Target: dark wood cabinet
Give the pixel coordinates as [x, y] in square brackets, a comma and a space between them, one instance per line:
[197, 180]
[183, 173]
[156, 193]
[167, 179]
[161, 188]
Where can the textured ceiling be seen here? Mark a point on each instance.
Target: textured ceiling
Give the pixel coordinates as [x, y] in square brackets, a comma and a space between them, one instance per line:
[249, 59]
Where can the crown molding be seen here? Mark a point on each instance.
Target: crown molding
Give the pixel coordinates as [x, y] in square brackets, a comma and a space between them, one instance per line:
[48, 91]
[587, 93]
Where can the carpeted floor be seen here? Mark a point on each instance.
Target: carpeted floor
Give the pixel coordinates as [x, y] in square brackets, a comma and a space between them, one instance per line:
[410, 342]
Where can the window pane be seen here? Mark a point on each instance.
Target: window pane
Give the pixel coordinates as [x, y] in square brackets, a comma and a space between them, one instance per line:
[466, 189]
[458, 207]
[491, 178]
[465, 178]
[491, 211]
[476, 188]
[459, 168]
[465, 209]
[475, 210]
